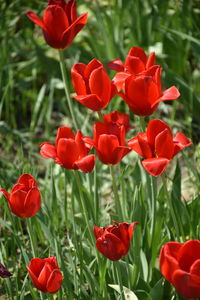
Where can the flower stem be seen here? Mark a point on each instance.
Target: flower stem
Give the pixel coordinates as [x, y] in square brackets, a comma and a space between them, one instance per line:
[64, 77]
[100, 116]
[171, 207]
[119, 277]
[116, 196]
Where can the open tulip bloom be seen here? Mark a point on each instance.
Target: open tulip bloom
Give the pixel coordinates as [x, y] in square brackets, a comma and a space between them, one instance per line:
[136, 63]
[24, 199]
[59, 24]
[70, 151]
[120, 119]
[92, 85]
[114, 241]
[180, 265]
[45, 274]
[157, 146]
[109, 141]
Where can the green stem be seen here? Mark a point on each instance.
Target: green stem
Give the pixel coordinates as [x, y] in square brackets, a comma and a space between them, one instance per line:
[115, 191]
[64, 77]
[84, 210]
[96, 197]
[100, 115]
[153, 209]
[171, 207]
[119, 277]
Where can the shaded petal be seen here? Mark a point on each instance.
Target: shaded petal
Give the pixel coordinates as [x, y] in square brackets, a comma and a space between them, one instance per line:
[98, 231]
[106, 146]
[44, 275]
[170, 94]
[116, 65]
[67, 152]
[52, 260]
[70, 10]
[35, 280]
[164, 145]
[83, 150]
[93, 65]
[55, 281]
[92, 101]
[119, 80]
[188, 254]
[16, 202]
[187, 285]
[100, 85]
[151, 60]
[78, 80]
[73, 30]
[134, 65]
[86, 164]
[35, 19]
[168, 259]
[138, 52]
[155, 166]
[5, 193]
[140, 145]
[180, 142]
[32, 203]
[195, 268]
[48, 150]
[111, 246]
[119, 153]
[154, 128]
[64, 132]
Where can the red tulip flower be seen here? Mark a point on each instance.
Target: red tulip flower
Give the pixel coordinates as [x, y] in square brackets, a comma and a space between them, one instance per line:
[24, 199]
[144, 93]
[180, 265]
[114, 241]
[136, 63]
[70, 151]
[59, 24]
[109, 141]
[158, 146]
[93, 87]
[45, 274]
[120, 119]
[4, 273]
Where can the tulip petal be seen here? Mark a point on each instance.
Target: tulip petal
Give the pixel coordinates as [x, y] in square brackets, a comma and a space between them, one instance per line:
[168, 259]
[35, 280]
[67, 152]
[45, 274]
[164, 146]
[140, 145]
[92, 101]
[83, 149]
[98, 231]
[5, 193]
[188, 285]
[106, 146]
[154, 128]
[100, 85]
[134, 65]
[16, 203]
[119, 153]
[111, 246]
[181, 141]
[151, 60]
[27, 180]
[47, 150]
[155, 166]
[188, 254]
[78, 81]
[70, 33]
[52, 260]
[35, 19]
[70, 10]
[32, 202]
[195, 268]
[116, 65]
[86, 164]
[138, 52]
[64, 132]
[119, 80]
[54, 282]
[170, 94]
[93, 65]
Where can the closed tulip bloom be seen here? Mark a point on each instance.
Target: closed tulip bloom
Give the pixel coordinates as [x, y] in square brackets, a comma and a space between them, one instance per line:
[45, 274]
[70, 151]
[120, 119]
[60, 23]
[24, 199]
[158, 146]
[180, 265]
[136, 63]
[114, 241]
[92, 85]
[4, 273]
[109, 142]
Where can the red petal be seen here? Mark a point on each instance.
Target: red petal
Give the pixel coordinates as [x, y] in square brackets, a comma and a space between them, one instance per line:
[92, 101]
[144, 146]
[119, 80]
[86, 164]
[64, 133]
[151, 60]
[44, 275]
[187, 285]
[134, 65]
[119, 153]
[35, 19]
[73, 30]
[195, 268]
[16, 202]
[35, 280]
[70, 10]
[100, 85]
[67, 152]
[116, 65]
[56, 23]
[98, 231]
[131, 229]
[138, 52]
[164, 146]
[52, 260]
[5, 193]
[168, 259]
[47, 150]
[180, 142]
[32, 203]
[155, 166]
[106, 146]
[111, 246]
[188, 254]
[154, 128]
[93, 65]
[170, 94]
[54, 281]
[78, 80]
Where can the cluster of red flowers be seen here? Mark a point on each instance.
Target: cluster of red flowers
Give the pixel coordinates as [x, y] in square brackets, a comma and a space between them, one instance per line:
[138, 83]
